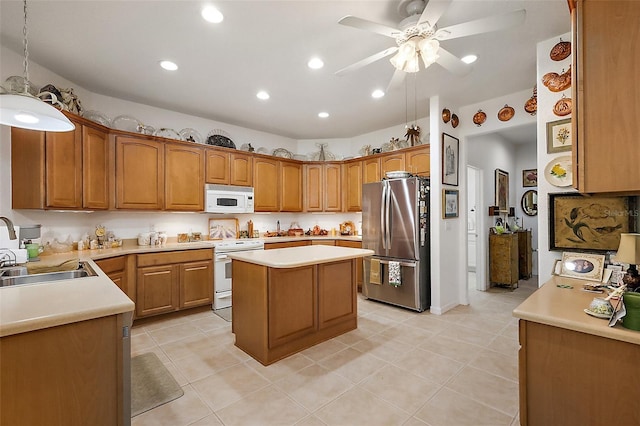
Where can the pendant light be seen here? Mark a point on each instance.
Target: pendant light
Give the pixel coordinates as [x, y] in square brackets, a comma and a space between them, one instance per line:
[22, 109]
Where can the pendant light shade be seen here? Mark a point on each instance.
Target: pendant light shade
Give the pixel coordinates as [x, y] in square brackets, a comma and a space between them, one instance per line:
[22, 109]
[28, 112]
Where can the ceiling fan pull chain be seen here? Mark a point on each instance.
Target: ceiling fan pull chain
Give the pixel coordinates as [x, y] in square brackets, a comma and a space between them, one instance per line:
[26, 50]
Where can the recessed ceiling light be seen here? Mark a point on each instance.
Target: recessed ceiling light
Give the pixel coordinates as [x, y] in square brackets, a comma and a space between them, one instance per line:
[315, 63]
[469, 59]
[262, 95]
[168, 65]
[323, 114]
[211, 14]
[377, 93]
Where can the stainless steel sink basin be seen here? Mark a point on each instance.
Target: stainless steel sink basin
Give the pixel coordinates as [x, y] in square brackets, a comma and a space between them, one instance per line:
[83, 271]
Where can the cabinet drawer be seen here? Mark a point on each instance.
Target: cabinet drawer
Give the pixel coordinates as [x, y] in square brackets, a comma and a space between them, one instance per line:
[169, 257]
[112, 264]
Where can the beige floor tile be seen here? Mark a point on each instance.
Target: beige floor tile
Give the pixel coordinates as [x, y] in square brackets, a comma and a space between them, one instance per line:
[197, 344]
[428, 365]
[179, 412]
[407, 334]
[155, 349]
[397, 314]
[222, 335]
[414, 421]
[324, 349]
[429, 322]
[311, 421]
[511, 331]
[358, 407]
[449, 408]
[162, 321]
[516, 420]
[196, 367]
[228, 386]
[399, 387]
[180, 378]
[383, 347]
[268, 406]
[141, 341]
[210, 420]
[489, 389]
[497, 363]
[466, 335]
[485, 322]
[452, 348]
[282, 368]
[173, 332]
[354, 336]
[209, 322]
[314, 386]
[506, 345]
[352, 364]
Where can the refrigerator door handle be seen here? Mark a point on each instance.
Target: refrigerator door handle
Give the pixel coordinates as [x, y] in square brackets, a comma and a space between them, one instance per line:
[387, 218]
[383, 229]
[409, 265]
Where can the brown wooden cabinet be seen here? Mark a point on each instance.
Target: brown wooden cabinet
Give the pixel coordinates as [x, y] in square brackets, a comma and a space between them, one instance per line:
[371, 170]
[352, 186]
[68, 170]
[359, 261]
[503, 259]
[241, 169]
[606, 109]
[139, 174]
[284, 244]
[322, 187]
[525, 255]
[418, 160]
[118, 269]
[170, 281]
[184, 177]
[290, 186]
[217, 166]
[392, 162]
[265, 184]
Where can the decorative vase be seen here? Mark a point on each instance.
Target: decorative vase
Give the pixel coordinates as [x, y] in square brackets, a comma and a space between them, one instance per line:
[631, 302]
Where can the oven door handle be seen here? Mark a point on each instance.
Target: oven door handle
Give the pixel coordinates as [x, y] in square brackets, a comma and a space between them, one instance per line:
[221, 257]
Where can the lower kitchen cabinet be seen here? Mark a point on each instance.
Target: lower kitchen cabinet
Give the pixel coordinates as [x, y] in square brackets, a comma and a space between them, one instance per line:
[285, 244]
[359, 260]
[171, 281]
[117, 271]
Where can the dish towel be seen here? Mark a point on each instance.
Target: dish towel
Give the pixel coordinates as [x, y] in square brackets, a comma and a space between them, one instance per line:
[395, 278]
[375, 272]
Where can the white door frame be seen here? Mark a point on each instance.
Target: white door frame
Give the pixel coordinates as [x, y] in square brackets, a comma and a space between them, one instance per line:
[482, 263]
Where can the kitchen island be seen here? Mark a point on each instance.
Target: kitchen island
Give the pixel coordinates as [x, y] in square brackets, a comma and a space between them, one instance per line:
[573, 368]
[286, 300]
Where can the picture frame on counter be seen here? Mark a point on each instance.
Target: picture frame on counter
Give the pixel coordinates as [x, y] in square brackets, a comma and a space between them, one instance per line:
[450, 160]
[585, 266]
[220, 229]
[450, 203]
[559, 136]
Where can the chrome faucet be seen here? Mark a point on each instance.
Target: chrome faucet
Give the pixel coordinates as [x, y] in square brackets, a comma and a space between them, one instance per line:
[10, 228]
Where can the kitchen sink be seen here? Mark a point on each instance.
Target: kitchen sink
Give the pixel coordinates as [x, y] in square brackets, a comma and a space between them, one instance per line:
[19, 276]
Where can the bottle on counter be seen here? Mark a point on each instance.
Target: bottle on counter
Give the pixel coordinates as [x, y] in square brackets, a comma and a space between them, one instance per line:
[278, 227]
[250, 228]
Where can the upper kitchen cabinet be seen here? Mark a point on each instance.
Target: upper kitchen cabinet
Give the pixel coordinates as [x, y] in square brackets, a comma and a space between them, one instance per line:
[139, 174]
[241, 169]
[418, 160]
[184, 177]
[228, 168]
[371, 170]
[391, 162]
[68, 170]
[352, 185]
[217, 166]
[606, 94]
[265, 184]
[322, 187]
[290, 186]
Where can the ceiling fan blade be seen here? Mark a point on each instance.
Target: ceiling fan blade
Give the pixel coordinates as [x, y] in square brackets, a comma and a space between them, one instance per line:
[484, 25]
[452, 63]
[396, 80]
[433, 11]
[366, 61]
[363, 24]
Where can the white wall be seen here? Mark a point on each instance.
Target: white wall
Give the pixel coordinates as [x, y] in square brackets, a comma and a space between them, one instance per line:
[526, 160]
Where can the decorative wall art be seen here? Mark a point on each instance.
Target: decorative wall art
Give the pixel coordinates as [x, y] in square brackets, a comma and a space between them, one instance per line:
[563, 106]
[592, 223]
[530, 177]
[558, 171]
[560, 51]
[502, 191]
[450, 160]
[449, 203]
[223, 228]
[557, 82]
[559, 137]
[479, 118]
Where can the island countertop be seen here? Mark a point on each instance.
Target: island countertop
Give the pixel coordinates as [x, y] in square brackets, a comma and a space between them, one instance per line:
[293, 257]
[564, 307]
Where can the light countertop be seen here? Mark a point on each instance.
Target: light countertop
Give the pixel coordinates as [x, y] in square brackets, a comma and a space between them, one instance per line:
[564, 307]
[293, 257]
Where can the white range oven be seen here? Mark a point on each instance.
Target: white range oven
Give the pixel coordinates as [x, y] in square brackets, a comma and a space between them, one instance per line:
[222, 268]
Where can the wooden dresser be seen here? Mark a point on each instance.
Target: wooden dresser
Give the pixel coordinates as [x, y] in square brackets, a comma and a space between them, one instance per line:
[503, 259]
[525, 265]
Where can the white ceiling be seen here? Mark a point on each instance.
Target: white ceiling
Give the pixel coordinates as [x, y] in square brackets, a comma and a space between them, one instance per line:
[113, 48]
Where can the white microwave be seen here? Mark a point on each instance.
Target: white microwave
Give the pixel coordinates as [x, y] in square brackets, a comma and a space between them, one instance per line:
[228, 199]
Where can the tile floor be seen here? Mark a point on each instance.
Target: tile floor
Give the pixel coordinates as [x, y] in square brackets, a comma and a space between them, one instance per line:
[398, 368]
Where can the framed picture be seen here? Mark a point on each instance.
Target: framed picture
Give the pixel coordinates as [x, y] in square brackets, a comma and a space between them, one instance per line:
[586, 266]
[589, 223]
[449, 203]
[450, 160]
[530, 177]
[502, 191]
[559, 137]
[223, 228]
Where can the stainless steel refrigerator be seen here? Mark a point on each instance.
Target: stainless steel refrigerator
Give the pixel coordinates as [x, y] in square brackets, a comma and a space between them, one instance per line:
[395, 225]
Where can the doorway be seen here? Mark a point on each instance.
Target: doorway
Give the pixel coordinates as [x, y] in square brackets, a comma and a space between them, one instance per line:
[475, 269]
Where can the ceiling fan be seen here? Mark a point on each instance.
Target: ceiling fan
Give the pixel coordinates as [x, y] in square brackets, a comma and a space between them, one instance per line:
[418, 39]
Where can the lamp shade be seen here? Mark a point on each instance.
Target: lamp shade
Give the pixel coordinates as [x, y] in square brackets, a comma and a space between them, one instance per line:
[28, 112]
[629, 249]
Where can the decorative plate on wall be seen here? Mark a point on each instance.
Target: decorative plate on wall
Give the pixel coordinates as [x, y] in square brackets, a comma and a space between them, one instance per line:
[191, 135]
[98, 117]
[558, 171]
[506, 113]
[126, 123]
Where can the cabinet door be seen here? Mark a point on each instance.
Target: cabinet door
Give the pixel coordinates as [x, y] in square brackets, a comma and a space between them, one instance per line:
[27, 169]
[290, 186]
[95, 169]
[336, 293]
[285, 244]
[63, 169]
[359, 260]
[371, 170]
[332, 188]
[184, 178]
[313, 190]
[352, 186]
[418, 161]
[241, 169]
[156, 290]
[217, 167]
[606, 108]
[196, 284]
[391, 162]
[265, 184]
[139, 174]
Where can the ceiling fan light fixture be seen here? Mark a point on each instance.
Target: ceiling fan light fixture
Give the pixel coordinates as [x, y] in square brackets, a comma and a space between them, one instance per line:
[211, 14]
[469, 59]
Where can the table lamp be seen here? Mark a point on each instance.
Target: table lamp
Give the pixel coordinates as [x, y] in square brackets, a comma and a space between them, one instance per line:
[629, 252]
